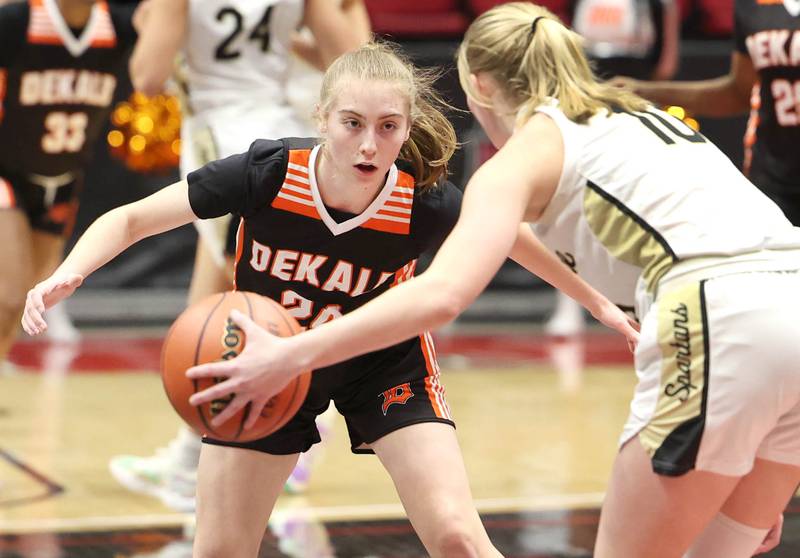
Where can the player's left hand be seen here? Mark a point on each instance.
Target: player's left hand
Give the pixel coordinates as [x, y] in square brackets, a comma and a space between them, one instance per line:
[261, 370]
[773, 537]
[609, 314]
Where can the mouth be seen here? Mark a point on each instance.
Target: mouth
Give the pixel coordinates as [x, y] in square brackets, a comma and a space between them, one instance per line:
[366, 168]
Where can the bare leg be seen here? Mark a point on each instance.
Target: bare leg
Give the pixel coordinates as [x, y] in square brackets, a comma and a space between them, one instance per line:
[425, 463]
[236, 492]
[749, 513]
[16, 274]
[651, 515]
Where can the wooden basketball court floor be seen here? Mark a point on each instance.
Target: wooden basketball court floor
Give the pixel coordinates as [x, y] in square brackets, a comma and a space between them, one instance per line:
[538, 420]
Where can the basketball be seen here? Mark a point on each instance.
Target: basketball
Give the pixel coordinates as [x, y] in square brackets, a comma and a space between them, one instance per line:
[205, 333]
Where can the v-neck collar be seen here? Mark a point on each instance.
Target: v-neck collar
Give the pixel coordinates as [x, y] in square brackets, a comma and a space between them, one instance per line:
[358, 220]
[792, 6]
[75, 45]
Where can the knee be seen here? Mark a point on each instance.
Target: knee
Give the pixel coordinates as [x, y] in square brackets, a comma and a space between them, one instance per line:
[456, 541]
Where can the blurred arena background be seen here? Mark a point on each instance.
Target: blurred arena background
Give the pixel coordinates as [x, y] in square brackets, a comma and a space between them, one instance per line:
[147, 284]
[65, 409]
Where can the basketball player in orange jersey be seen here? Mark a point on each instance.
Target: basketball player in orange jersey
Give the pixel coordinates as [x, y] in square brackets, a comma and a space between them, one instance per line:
[328, 226]
[656, 217]
[60, 61]
[236, 80]
[764, 77]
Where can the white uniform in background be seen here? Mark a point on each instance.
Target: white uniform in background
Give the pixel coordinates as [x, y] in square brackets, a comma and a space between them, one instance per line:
[236, 89]
[711, 266]
[237, 69]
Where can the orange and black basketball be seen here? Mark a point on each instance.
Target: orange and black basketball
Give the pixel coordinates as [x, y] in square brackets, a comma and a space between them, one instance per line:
[205, 333]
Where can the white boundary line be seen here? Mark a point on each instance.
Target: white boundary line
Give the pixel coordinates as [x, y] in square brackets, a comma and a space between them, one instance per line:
[318, 513]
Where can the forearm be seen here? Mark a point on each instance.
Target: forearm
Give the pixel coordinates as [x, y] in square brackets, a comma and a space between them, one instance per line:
[116, 230]
[103, 240]
[530, 253]
[717, 97]
[378, 324]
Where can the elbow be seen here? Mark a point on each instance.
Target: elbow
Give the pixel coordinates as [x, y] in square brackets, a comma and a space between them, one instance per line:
[448, 301]
[147, 85]
[120, 219]
[145, 81]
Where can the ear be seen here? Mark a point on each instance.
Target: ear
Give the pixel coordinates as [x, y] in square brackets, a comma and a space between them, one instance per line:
[408, 131]
[483, 85]
[322, 124]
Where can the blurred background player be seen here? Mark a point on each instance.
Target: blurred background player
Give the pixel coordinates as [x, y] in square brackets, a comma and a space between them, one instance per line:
[60, 63]
[633, 38]
[764, 77]
[248, 74]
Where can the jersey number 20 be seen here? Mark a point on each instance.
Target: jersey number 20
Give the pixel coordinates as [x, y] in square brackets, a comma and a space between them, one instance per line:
[226, 49]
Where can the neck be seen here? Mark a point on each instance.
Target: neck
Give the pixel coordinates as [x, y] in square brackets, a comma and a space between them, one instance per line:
[339, 193]
[76, 14]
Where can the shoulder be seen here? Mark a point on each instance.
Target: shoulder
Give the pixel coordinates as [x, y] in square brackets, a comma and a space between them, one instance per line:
[435, 213]
[298, 144]
[444, 197]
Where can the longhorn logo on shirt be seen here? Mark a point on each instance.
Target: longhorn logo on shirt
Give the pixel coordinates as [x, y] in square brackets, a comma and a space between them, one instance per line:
[398, 394]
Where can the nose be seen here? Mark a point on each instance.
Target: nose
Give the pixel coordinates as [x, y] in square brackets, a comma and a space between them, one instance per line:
[368, 147]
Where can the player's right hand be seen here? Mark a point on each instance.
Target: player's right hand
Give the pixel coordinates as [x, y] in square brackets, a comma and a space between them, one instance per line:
[45, 295]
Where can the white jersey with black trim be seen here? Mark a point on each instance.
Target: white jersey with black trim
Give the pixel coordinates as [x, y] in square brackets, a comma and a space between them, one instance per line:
[239, 50]
[641, 192]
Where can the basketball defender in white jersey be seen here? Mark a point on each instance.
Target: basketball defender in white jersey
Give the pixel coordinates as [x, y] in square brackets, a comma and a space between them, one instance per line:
[656, 218]
[240, 80]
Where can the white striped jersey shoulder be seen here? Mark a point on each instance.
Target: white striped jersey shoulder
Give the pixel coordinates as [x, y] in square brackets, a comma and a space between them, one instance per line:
[640, 191]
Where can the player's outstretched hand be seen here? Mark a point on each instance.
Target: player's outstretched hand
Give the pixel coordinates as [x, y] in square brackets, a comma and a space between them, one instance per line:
[261, 370]
[610, 315]
[773, 537]
[45, 295]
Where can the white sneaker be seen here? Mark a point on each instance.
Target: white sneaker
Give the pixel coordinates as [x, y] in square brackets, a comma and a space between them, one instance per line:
[156, 476]
[301, 537]
[59, 325]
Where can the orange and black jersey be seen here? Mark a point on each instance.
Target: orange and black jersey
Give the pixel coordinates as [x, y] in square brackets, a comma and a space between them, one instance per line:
[768, 31]
[57, 83]
[318, 262]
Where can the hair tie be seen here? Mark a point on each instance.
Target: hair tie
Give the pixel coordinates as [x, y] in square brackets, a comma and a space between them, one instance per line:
[533, 27]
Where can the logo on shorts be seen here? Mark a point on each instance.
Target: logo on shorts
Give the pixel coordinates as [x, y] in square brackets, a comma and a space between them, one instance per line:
[682, 387]
[398, 394]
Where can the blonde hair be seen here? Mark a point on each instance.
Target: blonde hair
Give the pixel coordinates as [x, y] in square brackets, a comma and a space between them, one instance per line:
[534, 63]
[432, 139]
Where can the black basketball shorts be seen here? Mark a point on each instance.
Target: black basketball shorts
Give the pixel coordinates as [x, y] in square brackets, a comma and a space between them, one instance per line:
[377, 393]
[49, 202]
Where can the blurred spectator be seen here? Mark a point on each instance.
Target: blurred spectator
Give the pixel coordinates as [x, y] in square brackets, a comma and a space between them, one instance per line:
[635, 38]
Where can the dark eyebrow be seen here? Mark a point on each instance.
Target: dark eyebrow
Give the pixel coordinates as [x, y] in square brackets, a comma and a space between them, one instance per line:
[354, 113]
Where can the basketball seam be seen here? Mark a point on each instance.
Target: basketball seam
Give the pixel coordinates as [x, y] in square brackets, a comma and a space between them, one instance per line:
[249, 406]
[197, 358]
